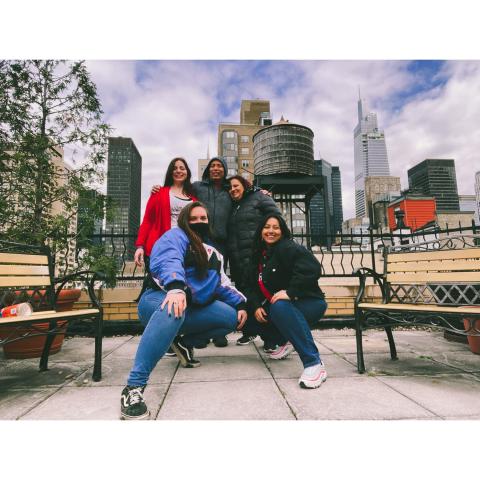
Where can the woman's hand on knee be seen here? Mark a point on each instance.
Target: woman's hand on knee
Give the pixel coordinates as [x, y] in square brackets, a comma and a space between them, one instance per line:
[280, 295]
[176, 302]
[261, 315]
[241, 318]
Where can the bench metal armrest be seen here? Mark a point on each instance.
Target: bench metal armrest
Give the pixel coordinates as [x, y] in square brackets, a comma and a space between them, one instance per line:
[362, 273]
[89, 277]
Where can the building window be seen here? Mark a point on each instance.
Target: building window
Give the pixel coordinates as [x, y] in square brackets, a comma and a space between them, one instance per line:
[244, 151]
[244, 163]
[244, 138]
[231, 172]
[230, 147]
[229, 134]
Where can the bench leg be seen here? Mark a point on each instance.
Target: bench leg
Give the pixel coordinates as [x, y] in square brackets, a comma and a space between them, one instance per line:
[358, 335]
[97, 366]
[391, 342]
[46, 348]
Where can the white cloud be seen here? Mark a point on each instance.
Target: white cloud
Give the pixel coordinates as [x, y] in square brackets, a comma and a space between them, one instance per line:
[173, 108]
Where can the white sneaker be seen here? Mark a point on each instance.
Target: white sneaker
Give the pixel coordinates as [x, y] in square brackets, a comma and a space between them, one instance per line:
[313, 377]
[281, 352]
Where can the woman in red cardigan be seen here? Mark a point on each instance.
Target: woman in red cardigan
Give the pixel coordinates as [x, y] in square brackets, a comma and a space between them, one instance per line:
[163, 207]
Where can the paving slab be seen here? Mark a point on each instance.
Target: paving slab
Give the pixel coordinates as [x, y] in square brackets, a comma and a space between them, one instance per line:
[292, 367]
[73, 403]
[115, 372]
[408, 364]
[361, 398]
[452, 396]
[466, 361]
[426, 341]
[348, 344]
[245, 367]
[225, 400]
[26, 374]
[17, 402]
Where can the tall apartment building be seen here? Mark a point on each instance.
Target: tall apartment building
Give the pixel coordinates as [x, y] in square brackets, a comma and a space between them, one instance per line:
[124, 181]
[370, 155]
[436, 177]
[477, 196]
[235, 140]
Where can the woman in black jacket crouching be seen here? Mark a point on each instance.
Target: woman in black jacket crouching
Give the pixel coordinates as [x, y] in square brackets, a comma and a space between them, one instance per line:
[282, 290]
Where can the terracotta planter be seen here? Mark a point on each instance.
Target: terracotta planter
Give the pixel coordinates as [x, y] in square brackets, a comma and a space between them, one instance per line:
[473, 341]
[33, 347]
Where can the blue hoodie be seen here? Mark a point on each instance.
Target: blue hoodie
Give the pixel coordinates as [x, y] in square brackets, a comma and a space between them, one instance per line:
[172, 266]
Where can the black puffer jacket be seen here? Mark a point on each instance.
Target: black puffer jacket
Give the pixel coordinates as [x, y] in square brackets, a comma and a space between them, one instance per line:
[286, 266]
[246, 214]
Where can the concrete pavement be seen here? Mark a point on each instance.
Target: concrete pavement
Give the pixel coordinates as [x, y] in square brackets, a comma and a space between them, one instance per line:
[433, 379]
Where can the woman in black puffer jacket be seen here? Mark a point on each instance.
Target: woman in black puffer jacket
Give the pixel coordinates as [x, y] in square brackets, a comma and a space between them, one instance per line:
[249, 207]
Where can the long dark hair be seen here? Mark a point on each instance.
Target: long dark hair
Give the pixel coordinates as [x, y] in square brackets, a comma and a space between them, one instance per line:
[196, 243]
[258, 245]
[187, 185]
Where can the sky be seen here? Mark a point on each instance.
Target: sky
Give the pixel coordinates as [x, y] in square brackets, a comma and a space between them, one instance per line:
[427, 109]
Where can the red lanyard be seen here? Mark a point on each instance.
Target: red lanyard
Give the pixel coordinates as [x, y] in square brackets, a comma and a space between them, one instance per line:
[264, 290]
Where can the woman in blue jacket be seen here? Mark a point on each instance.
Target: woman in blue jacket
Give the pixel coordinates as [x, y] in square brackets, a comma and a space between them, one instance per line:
[193, 301]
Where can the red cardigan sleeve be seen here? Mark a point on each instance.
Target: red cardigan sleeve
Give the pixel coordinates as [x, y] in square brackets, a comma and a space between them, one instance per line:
[148, 220]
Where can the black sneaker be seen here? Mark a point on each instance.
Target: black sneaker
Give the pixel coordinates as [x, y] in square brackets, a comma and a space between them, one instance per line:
[184, 354]
[133, 407]
[246, 339]
[170, 352]
[220, 341]
[269, 347]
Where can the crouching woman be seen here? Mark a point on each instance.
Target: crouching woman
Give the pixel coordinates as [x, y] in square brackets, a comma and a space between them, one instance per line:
[284, 295]
[193, 302]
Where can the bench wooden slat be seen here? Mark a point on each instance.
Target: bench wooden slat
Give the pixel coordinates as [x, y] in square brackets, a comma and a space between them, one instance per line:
[434, 266]
[23, 259]
[429, 277]
[24, 270]
[434, 255]
[48, 315]
[420, 308]
[24, 281]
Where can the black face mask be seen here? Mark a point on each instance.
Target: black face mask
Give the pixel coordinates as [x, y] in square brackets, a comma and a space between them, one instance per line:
[201, 229]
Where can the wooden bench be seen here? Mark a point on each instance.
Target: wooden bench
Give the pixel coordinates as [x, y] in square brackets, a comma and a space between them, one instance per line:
[434, 283]
[27, 274]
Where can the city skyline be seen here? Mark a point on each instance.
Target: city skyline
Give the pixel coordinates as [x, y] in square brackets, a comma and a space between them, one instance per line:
[427, 109]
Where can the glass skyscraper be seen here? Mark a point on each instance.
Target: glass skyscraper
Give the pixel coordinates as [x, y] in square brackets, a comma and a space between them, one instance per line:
[124, 182]
[370, 155]
[436, 177]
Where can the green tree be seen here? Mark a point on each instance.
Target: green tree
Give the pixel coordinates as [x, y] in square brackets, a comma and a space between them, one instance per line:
[45, 107]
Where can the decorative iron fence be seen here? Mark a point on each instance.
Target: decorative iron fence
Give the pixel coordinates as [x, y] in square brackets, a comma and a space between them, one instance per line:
[343, 255]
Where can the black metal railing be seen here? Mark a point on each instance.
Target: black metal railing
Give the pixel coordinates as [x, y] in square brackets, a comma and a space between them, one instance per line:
[340, 255]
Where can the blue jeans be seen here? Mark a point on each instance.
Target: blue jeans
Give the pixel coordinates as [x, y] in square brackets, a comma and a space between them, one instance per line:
[292, 321]
[198, 324]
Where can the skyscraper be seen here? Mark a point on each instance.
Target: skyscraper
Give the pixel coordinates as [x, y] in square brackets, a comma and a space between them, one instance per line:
[124, 180]
[337, 200]
[235, 140]
[326, 211]
[436, 177]
[370, 155]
